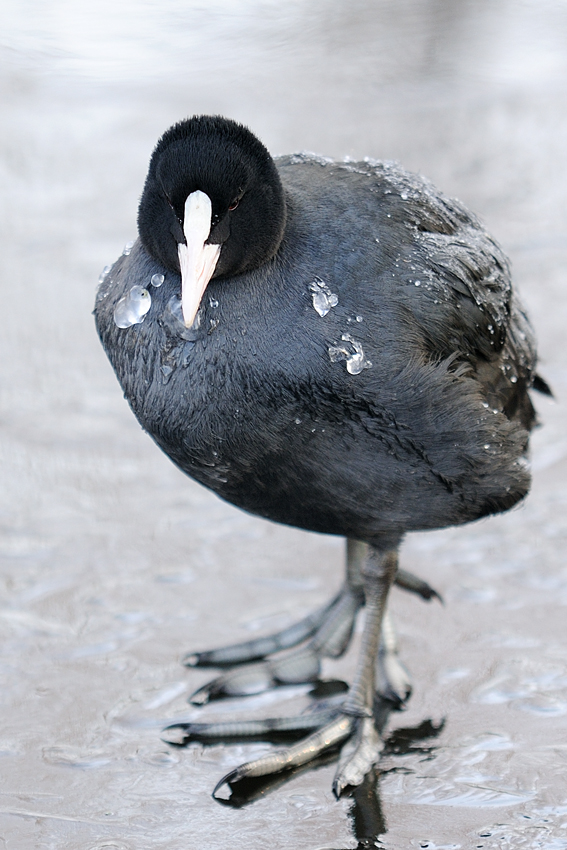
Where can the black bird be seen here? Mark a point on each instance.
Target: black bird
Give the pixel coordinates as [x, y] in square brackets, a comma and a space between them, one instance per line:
[333, 346]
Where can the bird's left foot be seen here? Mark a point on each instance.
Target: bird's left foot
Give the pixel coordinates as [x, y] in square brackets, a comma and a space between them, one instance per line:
[329, 728]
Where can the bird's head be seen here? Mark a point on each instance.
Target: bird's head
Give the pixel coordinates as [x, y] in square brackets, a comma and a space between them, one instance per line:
[212, 206]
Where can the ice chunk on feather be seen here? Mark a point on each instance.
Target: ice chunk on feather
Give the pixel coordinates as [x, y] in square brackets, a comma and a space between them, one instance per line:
[132, 307]
[352, 352]
[323, 298]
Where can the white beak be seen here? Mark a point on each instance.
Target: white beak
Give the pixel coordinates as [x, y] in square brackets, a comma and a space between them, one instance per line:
[196, 260]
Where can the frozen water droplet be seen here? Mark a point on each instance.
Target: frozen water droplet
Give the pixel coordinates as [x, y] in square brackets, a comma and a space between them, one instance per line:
[104, 274]
[418, 283]
[321, 303]
[298, 421]
[352, 353]
[357, 363]
[157, 280]
[336, 354]
[485, 404]
[173, 320]
[513, 379]
[323, 298]
[132, 307]
[359, 319]
[404, 196]
[213, 303]
[127, 248]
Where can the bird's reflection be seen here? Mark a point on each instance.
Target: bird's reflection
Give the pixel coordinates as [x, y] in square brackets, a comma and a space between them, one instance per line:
[366, 811]
[366, 814]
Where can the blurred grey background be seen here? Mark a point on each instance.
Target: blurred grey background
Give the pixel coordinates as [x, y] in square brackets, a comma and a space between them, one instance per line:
[113, 564]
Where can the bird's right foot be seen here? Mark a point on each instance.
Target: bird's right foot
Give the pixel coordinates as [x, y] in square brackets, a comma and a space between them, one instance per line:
[258, 665]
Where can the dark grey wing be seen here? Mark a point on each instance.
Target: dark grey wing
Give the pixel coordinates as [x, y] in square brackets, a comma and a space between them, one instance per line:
[475, 316]
[471, 264]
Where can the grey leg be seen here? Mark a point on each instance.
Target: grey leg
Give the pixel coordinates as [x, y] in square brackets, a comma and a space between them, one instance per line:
[362, 751]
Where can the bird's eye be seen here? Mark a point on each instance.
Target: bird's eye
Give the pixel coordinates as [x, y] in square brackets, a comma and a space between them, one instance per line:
[170, 202]
[234, 204]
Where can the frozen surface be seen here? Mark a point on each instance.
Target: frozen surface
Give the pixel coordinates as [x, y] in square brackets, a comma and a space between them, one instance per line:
[113, 565]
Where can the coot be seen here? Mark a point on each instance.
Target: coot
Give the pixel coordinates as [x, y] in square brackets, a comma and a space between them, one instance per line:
[334, 346]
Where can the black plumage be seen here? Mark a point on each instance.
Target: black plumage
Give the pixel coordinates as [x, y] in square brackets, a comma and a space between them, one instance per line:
[404, 406]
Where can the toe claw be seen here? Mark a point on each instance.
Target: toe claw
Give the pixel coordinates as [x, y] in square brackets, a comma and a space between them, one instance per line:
[177, 734]
[228, 780]
[414, 584]
[392, 679]
[358, 755]
[242, 681]
[201, 696]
